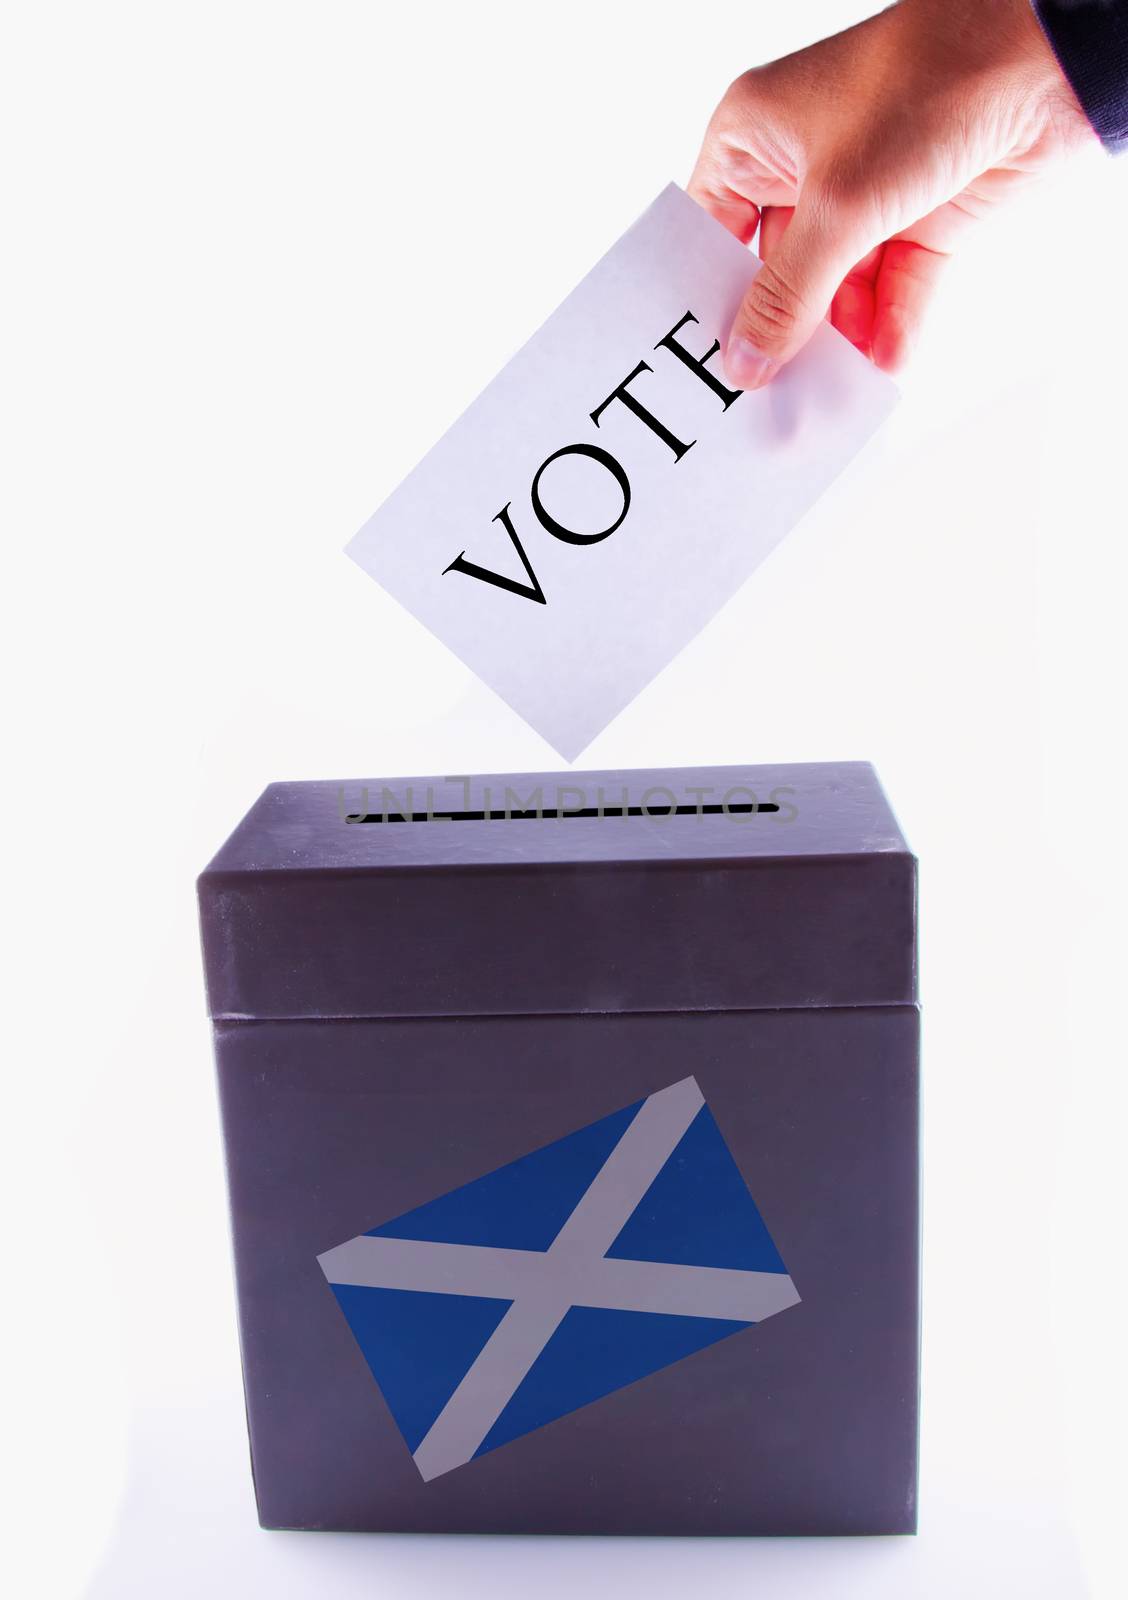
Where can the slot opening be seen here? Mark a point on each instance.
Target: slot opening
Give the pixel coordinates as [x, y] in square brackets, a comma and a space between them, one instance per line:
[554, 813]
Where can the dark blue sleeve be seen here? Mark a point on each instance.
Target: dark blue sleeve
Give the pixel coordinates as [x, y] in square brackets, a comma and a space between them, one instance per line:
[1090, 40]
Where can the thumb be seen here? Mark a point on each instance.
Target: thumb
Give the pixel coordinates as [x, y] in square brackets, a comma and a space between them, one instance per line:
[791, 294]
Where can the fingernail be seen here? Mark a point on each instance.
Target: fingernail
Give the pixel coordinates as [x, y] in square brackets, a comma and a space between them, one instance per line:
[747, 367]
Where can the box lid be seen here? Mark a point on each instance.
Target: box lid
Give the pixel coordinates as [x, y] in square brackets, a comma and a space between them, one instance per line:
[677, 889]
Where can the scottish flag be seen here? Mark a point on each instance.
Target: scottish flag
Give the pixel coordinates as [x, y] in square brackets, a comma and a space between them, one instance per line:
[559, 1278]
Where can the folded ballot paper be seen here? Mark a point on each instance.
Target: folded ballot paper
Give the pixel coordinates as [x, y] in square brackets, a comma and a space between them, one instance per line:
[607, 493]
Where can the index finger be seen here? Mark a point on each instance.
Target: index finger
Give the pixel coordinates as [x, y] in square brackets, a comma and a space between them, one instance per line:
[740, 216]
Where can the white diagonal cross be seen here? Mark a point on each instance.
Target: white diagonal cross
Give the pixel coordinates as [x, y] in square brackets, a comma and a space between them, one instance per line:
[544, 1284]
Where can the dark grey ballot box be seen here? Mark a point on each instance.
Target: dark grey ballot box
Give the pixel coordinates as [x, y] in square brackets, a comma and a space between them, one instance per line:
[571, 1129]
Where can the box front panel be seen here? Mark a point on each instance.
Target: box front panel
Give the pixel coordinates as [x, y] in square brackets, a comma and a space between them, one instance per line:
[602, 1274]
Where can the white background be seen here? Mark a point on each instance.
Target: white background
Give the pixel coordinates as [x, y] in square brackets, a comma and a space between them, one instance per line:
[256, 257]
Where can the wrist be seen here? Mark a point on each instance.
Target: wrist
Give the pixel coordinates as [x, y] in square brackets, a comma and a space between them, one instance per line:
[1089, 41]
[1000, 44]
[1035, 51]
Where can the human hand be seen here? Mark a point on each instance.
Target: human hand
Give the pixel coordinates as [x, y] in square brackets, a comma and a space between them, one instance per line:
[865, 157]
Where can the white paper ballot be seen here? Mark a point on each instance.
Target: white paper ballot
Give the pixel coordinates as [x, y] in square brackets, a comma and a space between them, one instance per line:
[607, 492]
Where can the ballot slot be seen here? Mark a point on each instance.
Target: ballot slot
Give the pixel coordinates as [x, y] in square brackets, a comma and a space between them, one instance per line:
[553, 813]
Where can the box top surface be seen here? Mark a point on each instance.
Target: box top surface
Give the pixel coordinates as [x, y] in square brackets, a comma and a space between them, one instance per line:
[570, 818]
[666, 890]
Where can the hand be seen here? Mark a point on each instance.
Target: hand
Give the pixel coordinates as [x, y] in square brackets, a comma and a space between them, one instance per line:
[865, 157]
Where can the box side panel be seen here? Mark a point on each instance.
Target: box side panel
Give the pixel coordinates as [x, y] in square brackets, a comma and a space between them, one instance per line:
[802, 1423]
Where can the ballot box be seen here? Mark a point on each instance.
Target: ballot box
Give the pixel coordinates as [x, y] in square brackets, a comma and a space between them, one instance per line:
[571, 1128]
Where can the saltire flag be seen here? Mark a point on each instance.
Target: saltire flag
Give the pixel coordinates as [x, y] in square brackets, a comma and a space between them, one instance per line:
[558, 1278]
